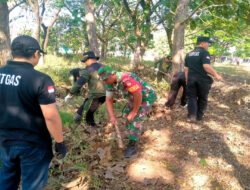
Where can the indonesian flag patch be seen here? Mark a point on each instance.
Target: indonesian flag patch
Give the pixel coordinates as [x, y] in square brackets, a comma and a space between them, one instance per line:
[208, 57]
[51, 89]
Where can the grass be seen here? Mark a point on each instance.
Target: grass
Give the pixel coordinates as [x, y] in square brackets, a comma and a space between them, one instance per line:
[233, 70]
[67, 118]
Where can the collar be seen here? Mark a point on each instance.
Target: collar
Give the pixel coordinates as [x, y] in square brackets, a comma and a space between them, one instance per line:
[19, 63]
[199, 48]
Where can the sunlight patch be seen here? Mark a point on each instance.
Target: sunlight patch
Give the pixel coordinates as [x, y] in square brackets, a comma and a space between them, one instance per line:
[144, 169]
[198, 180]
[78, 184]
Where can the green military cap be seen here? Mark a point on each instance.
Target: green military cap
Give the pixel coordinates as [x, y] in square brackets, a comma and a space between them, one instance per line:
[105, 72]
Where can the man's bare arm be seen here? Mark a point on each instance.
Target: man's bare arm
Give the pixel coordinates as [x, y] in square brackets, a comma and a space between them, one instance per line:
[208, 68]
[53, 121]
[186, 74]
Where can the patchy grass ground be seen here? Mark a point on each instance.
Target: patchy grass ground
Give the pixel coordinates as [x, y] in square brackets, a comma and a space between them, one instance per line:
[238, 73]
[173, 154]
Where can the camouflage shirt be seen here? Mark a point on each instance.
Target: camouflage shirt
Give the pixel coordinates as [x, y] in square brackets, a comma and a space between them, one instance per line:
[127, 84]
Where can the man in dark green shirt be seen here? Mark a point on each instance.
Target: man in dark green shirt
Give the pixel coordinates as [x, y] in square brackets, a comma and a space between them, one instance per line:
[96, 95]
[163, 67]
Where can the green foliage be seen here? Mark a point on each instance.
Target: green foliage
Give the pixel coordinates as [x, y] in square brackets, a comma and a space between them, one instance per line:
[67, 118]
[225, 21]
[203, 162]
[58, 67]
[95, 182]
[80, 166]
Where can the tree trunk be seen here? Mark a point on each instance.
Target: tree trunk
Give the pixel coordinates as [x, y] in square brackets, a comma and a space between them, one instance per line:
[91, 26]
[104, 51]
[5, 53]
[35, 8]
[138, 55]
[179, 32]
[170, 43]
[48, 28]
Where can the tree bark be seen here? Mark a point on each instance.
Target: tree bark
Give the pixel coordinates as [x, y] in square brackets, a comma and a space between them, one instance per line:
[91, 26]
[181, 14]
[169, 36]
[35, 8]
[104, 50]
[5, 52]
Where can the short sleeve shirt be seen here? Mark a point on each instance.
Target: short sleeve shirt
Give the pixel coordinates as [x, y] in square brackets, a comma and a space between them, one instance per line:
[128, 84]
[195, 60]
[22, 91]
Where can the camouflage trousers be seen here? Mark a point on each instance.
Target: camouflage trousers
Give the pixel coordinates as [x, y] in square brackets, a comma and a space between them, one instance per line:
[135, 127]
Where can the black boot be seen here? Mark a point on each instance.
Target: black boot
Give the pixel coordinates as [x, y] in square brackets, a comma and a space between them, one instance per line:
[131, 149]
[77, 118]
[200, 117]
[92, 124]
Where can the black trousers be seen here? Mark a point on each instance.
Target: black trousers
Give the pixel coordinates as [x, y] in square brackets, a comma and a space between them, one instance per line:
[197, 92]
[90, 106]
[178, 81]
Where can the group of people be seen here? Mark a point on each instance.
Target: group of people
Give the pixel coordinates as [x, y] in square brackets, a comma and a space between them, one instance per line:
[195, 81]
[104, 83]
[29, 116]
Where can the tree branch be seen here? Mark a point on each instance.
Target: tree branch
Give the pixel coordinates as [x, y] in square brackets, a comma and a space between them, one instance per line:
[16, 5]
[194, 11]
[127, 7]
[31, 4]
[197, 31]
[66, 6]
[43, 9]
[55, 18]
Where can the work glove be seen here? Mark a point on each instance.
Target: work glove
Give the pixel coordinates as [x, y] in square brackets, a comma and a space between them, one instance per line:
[156, 69]
[67, 98]
[61, 150]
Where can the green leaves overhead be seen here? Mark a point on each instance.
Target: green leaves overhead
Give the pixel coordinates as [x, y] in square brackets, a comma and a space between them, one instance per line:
[130, 22]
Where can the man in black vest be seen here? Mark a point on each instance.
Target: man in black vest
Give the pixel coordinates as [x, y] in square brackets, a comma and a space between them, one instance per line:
[197, 68]
[28, 117]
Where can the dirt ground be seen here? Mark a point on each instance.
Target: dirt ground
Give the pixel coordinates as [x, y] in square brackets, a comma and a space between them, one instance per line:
[173, 154]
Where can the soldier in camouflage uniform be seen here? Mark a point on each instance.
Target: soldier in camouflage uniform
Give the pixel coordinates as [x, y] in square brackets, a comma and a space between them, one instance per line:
[163, 68]
[96, 95]
[140, 96]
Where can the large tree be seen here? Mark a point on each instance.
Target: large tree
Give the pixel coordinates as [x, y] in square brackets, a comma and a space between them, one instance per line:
[108, 16]
[35, 7]
[39, 8]
[47, 29]
[140, 13]
[5, 52]
[91, 26]
[182, 16]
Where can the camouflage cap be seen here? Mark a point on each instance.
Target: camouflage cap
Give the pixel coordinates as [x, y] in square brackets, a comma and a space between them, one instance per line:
[105, 72]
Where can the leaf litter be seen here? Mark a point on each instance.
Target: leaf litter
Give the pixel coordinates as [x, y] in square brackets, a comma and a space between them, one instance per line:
[173, 154]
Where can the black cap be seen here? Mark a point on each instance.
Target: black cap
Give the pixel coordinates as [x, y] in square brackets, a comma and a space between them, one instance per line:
[26, 44]
[168, 57]
[204, 39]
[88, 55]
